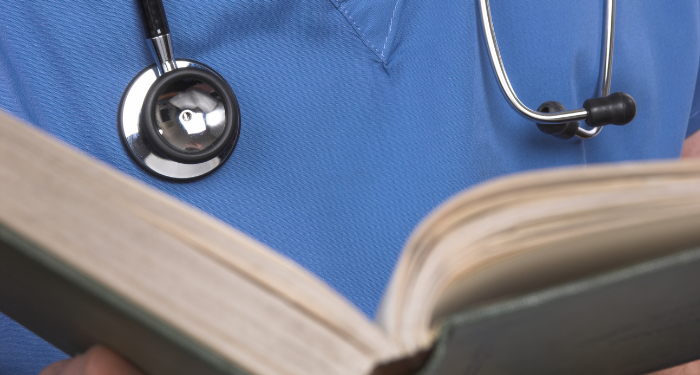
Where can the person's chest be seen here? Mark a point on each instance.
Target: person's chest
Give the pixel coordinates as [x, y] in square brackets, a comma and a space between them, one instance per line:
[358, 117]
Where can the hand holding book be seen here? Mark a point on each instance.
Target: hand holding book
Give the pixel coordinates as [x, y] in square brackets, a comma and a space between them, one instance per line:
[490, 271]
[97, 361]
[102, 361]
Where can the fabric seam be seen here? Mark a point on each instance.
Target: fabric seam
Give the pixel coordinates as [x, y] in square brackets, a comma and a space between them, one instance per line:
[391, 23]
[358, 30]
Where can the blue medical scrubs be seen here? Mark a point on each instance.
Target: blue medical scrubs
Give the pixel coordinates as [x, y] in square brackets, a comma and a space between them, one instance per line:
[358, 116]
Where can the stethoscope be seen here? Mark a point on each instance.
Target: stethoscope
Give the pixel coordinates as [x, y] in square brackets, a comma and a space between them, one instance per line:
[551, 117]
[180, 119]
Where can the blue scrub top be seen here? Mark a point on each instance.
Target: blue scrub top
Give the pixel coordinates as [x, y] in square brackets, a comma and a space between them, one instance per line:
[358, 116]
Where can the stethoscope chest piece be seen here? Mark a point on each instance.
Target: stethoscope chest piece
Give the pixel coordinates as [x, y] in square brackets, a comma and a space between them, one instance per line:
[181, 125]
[179, 118]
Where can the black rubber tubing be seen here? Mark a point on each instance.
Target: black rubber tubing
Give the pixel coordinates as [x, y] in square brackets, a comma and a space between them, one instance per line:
[154, 21]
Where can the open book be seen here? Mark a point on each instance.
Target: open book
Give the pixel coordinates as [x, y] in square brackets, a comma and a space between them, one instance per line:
[88, 255]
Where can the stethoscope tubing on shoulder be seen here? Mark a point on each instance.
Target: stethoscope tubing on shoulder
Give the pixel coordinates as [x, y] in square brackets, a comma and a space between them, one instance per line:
[551, 117]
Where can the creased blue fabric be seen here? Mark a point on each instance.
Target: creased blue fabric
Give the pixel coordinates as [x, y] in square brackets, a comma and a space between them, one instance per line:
[375, 22]
[358, 117]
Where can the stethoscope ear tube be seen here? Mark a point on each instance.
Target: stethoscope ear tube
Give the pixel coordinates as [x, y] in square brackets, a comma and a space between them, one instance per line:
[618, 108]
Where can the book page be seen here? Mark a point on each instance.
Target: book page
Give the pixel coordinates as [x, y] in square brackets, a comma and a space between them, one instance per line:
[222, 289]
[528, 232]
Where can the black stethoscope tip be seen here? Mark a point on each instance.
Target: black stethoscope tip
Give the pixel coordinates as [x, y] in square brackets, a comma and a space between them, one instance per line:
[565, 130]
[618, 108]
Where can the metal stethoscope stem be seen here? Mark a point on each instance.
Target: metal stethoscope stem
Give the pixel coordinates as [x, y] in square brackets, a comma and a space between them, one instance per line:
[157, 32]
[557, 117]
[162, 51]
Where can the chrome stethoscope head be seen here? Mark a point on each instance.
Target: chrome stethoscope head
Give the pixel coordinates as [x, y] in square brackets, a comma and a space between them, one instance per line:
[551, 117]
[178, 118]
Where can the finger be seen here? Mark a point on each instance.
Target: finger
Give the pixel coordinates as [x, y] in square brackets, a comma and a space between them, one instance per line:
[73, 366]
[55, 368]
[692, 368]
[100, 360]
